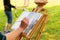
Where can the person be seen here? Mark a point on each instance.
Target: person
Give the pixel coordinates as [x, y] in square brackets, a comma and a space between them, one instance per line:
[16, 33]
[7, 7]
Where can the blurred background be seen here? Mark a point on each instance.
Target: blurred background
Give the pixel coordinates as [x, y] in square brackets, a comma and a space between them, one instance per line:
[52, 28]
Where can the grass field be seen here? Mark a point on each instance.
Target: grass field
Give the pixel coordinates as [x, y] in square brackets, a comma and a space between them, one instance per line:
[52, 28]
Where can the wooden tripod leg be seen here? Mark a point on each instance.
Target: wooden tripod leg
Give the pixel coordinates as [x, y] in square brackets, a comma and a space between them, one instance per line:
[39, 32]
[39, 9]
[21, 38]
[35, 9]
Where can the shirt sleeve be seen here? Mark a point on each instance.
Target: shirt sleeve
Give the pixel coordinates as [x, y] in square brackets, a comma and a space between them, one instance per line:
[12, 6]
[2, 37]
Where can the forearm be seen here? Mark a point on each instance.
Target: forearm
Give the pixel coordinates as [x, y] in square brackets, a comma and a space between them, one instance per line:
[14, 34]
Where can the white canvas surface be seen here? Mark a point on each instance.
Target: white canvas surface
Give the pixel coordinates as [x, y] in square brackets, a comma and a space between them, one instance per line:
[18, 21]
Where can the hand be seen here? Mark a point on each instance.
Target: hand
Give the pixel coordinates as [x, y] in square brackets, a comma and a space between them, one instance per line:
[24, 23]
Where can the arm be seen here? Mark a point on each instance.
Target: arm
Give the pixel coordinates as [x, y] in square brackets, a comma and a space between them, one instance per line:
[14, 34]
[12, 6]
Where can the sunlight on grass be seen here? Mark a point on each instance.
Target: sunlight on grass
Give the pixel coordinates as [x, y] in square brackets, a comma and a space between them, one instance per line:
[53, 3]
[1, 4]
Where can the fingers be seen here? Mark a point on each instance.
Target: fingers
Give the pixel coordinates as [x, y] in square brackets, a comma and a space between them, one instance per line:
[24, 23]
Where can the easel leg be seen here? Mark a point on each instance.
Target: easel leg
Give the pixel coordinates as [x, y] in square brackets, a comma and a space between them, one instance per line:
[39, 32]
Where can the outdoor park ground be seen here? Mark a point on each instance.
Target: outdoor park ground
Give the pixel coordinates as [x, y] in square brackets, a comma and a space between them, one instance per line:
[52, 28]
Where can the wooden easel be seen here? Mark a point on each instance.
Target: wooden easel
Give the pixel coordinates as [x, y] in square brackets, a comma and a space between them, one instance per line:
[44, 18]
[24, 23]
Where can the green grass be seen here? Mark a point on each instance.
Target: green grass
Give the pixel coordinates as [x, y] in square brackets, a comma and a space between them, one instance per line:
[52, 28]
